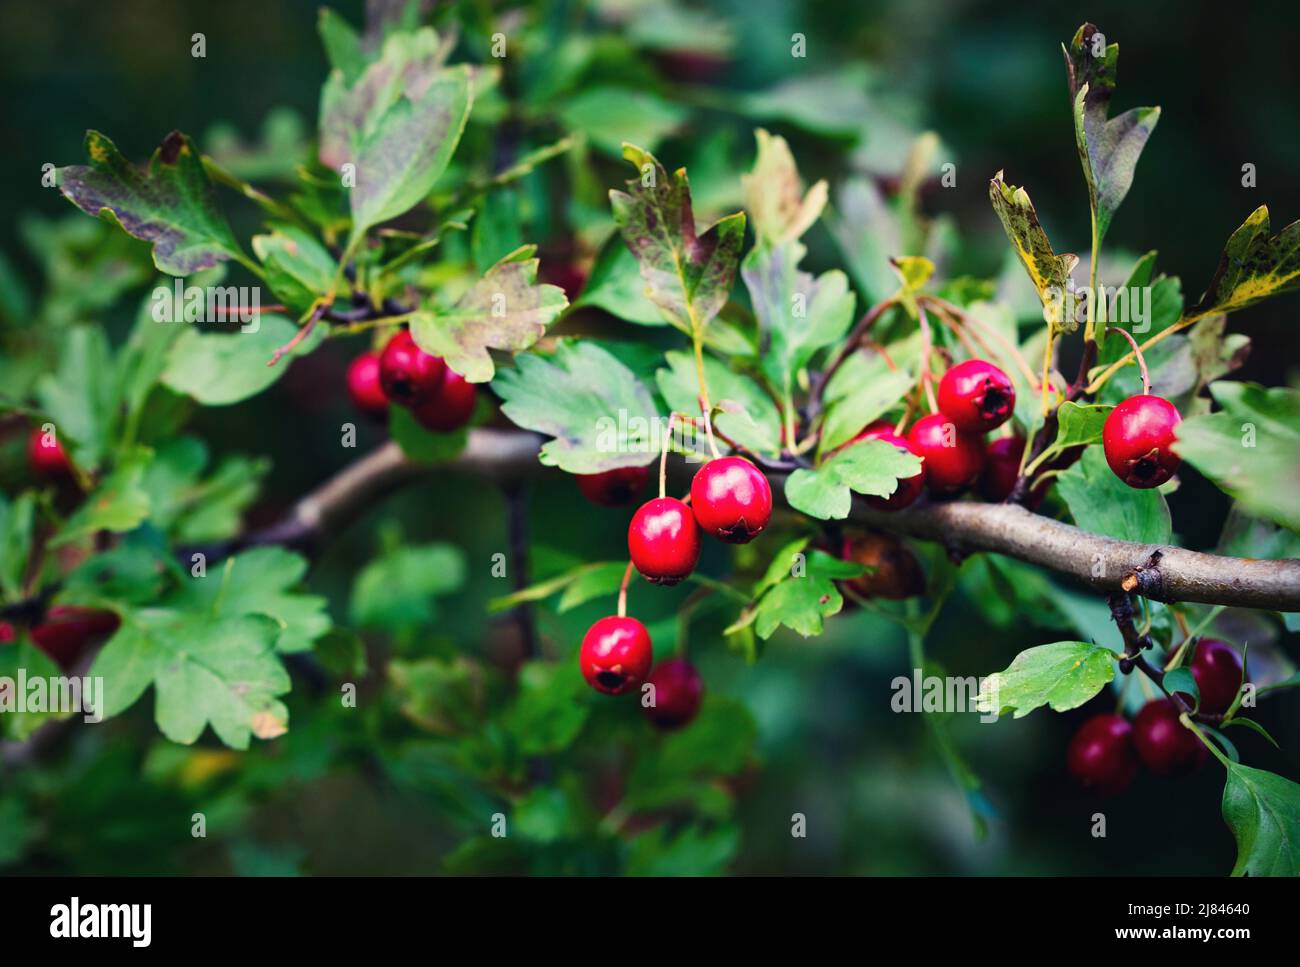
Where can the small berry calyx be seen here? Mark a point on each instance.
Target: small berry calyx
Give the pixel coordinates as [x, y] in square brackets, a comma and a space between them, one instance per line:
[409, 375]
[1217, 668]
[616, 654]
[364, 387]
[663, 540]
[976, 396]
[1163, 745]
[1101, 755]
[953, 459]
[731, 499]
[451, 405]
[678, 691]
[1138, 439]
[614, 488]
[909, 488]
[46, 456]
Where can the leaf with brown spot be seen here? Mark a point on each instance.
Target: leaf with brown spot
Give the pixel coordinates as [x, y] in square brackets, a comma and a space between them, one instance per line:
[1254, 266]
[1049, 272]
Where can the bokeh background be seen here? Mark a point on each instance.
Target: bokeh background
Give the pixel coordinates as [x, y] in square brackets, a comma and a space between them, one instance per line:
[989, 79]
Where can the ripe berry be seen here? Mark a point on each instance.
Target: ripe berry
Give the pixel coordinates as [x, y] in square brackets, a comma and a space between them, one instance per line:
[953, 459]
[613, 488]
[407, 373]
[908, 489]
[616, 654]
[663, 541]
[46, 456]
[1101, 754]
[678, 690]
[6, 633]
[364, 387]
[976, 396]
[67, 631]
[1217, 667]
[1163, 745]
[1001, 467]
[731, 499]
[1138, 438]
[892, 569]
[450, 406]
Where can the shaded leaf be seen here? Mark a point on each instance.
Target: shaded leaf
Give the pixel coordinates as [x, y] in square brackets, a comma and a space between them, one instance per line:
[1254, 266]
[1049, 272]
[1101, 503]
[1263, 812]
[872, 468]
[779, 209]
[1063, 675]
[747, 415]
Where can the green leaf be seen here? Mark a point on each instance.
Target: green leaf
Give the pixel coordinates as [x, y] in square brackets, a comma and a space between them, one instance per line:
[445, 697]
[615, 285]
[1250, 449]
[1253, 266]
[1181, 680]
[120, 502]
[865, 403]
[1109, 150]
[747, 415]
[24, 656]
[219, 369]
[421, 444]
[692, 851]
[80, 396]
[1063, 675]
[609, 116]
[298, 268]
[872, 468]
[1263, 812]
[191, 508]
[342, 45]
[779, 210]
[688, 274]
[17, 517]
[550, 710]
[1254, 727]
[800, 600]
[1049, 272]
[1103, 504]
[1079, 425]
[505, 310]
[396, 591]
[599, 413]
[169, 204]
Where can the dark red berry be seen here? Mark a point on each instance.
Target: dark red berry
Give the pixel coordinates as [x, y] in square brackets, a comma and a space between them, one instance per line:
[46, 456]
[976, 396]
[663, 541]
[364, 387]
[614, 488]
[1217, 668]
[953, 459]
[407, 373]
[1101, 755]
[678, 691]
[6, 633]
[1138, 438]
[732, 499]
[1001, 467]
[1163, 745]
[450, 407]
[908, 489]
[67, 631]
[616, 654]
[892, 569]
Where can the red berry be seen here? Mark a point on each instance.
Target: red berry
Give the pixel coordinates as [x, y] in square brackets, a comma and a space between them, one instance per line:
[407, 373]
[1001, 467]
[892, 569]
[616, 654]
[678, 690]
[67, 630]
[732, 500]
[908, 489]
[613, 488]
[1163, 745]
[451, 405]
[1217, 668]
[364, 387]
[1138, 438]
[46, 456]
[953, 460]
[976, 396]
[1101, 755]
[663, 541]
[6, 633]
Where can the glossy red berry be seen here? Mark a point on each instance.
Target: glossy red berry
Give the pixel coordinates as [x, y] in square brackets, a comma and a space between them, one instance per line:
[678, 691]
[451, 405]
[67, 631]
[1101, 755]
[46, 456]
[1217, 668]
[1163, 745]
[364, 387]
[616, 654]
[731, 499]
[976, 396]
[614, 488]
[908, 489]
[663, 540]
[407, 373]
[953, 459]
[1138, 438]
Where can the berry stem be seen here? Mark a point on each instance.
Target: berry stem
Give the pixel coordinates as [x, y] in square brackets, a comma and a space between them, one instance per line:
[663, 455]
[622, 591]
[927, 348]
[975, 325]
[1047, 369]
[1137, 351]
[1116, 366]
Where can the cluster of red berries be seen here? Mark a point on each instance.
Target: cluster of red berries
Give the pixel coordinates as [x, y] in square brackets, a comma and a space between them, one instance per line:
[1105, 753]
[439, 397]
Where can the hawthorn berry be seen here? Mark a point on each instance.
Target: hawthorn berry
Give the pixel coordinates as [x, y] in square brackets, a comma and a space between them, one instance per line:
[46, 456]
[663, 540]
[953, 459]
[364, 387]
[1138, 439]
[731, 499]
[1217, 668]
[6, 633]
[892, 569]
[450, 406]
[1101, 754]
[678, 691]
[67, 630]
[1163, 745]
[613, 488]
[407, 373]
[1001, 467]
[976, 396]
[908, 489]
[616, 654]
